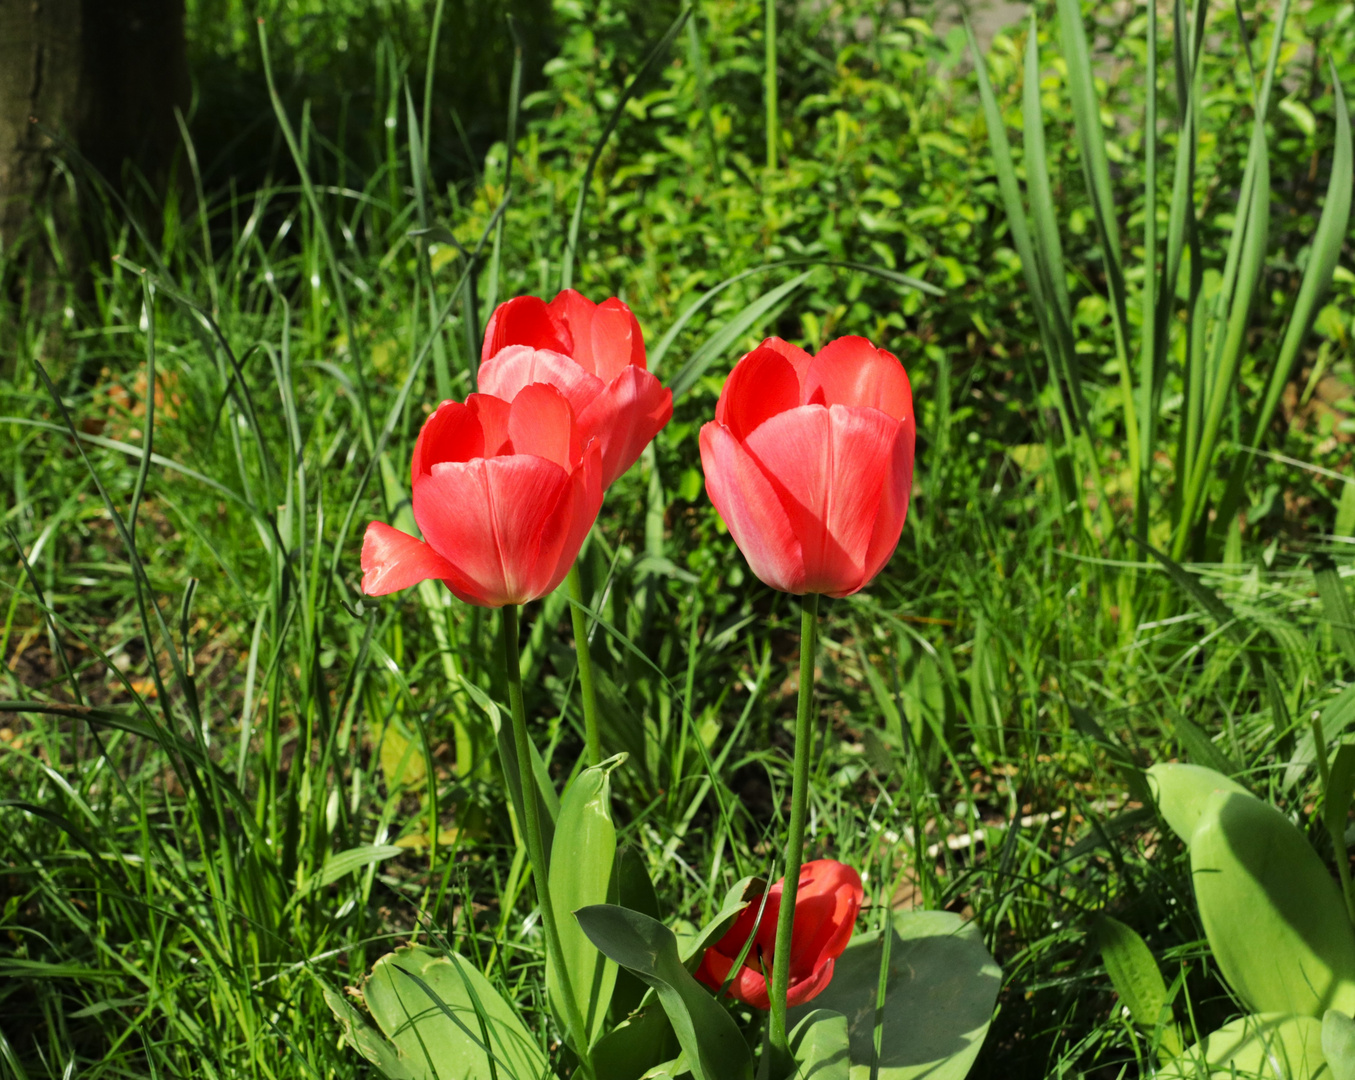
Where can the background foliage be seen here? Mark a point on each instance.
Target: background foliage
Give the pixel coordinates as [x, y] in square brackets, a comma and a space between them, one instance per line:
[248, 779]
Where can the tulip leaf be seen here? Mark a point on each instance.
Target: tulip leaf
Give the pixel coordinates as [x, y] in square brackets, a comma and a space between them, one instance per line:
[1181, 792]
[743, 892]
[1340, 791]
[364, 1038]
[1338, 1044]
[580, 875]
[641, 1042]
[820, 1046]
[445, 1020]
[1274, 917]
[712, 1042]
[939, 995]
[634, 891]
[1272, 1046]
[1132, 968]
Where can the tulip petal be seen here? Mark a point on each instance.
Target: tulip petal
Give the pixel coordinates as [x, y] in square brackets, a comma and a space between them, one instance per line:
[451, 433]
[617, 340]
[828, 465]
[893, 503]
[541, 422]
[492, 519]
[761, 385]
[852, 371]
[752, 509]
[525, 320]
[625, 417]
[393, 560]
[577, 512]
[517, 366]
[810, 987]
[799, 359]
[826, 906]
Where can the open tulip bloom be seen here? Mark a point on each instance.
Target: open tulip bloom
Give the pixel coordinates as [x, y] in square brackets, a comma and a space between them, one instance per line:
[594, 354]
[810, 462]
[504, 494]
[826, 906]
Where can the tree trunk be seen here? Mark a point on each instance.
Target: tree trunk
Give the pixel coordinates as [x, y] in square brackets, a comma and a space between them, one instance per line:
[103, 75]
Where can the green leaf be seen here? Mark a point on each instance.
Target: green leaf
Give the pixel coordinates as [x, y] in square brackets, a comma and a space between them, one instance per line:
[1132, 968]
[705, 1030]
[1273, 1046]
[445, 1020]
[725, 338]
[1338, 1044]
[1181, 792]
[743, 892]
[821, 1046]
[1335, 606]
[1340, 791]
[1274, 917]
[1336, 717]
[364, 1038]
[580, 875]
[641, 1042]
[345, 862]
[634, 891]
[939, 996]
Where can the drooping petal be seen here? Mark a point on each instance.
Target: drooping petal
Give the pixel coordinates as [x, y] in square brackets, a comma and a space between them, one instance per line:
[828, 466]
[525, 320]
[625, 417]
[826, 906]
[852, 371]
[752, 509]
[393, 560]
[490, 520]
[811, 986]
[517, 366]
[761, 385]
[541, 422]
[895, 491]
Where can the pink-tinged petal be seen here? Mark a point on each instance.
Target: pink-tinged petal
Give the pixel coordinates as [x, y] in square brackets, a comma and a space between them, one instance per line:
[625, 417]
[761, 385]
[518, 366]
[897, 487]
[541, 422]
[752, 510]
[393, 560]
[617, 340]
[490, 519]
[852, 371]
[828, 466]
[811, 987]
[525, 320]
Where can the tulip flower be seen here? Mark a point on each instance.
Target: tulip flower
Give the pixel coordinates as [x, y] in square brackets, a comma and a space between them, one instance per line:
[594, 354]
[828, 899]
[810, 462]
[504, 494]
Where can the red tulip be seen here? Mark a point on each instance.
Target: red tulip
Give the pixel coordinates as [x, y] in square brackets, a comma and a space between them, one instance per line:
[810, 462]
[594, 354]
[826, 904]
[504, 495]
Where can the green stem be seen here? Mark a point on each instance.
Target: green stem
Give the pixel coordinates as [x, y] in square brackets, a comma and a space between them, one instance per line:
[769, 84]
[795, 842]
[587, 691]
[531, 827]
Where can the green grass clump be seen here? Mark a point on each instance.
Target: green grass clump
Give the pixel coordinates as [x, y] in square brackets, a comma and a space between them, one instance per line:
[228, 774]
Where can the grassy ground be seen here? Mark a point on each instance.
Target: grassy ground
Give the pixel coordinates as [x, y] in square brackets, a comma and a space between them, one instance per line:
[228, 776]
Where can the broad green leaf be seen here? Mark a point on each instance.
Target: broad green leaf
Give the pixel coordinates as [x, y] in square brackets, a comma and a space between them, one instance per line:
[1181, 792]
[1274, 917]
[445, 1020]
[635, 891]
[743, 892]
[1338, 1044]
[705, 1030]
[939, 997]
[820, 1046]
[1132, 968]
[1267, 1047]
[364, 1038]
[581, 875]
[639, 1043]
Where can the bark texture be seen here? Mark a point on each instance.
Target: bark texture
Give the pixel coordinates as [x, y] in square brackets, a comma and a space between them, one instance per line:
[103, 74]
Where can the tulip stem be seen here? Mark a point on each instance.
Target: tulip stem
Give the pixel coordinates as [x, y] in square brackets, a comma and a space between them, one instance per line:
[531, 827]
[779, 1043]
[587, 691]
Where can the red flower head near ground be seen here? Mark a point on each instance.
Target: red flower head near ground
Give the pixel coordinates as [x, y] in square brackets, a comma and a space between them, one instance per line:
[810, 462]
[594, 354]
[504, 494]
[829, 897]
